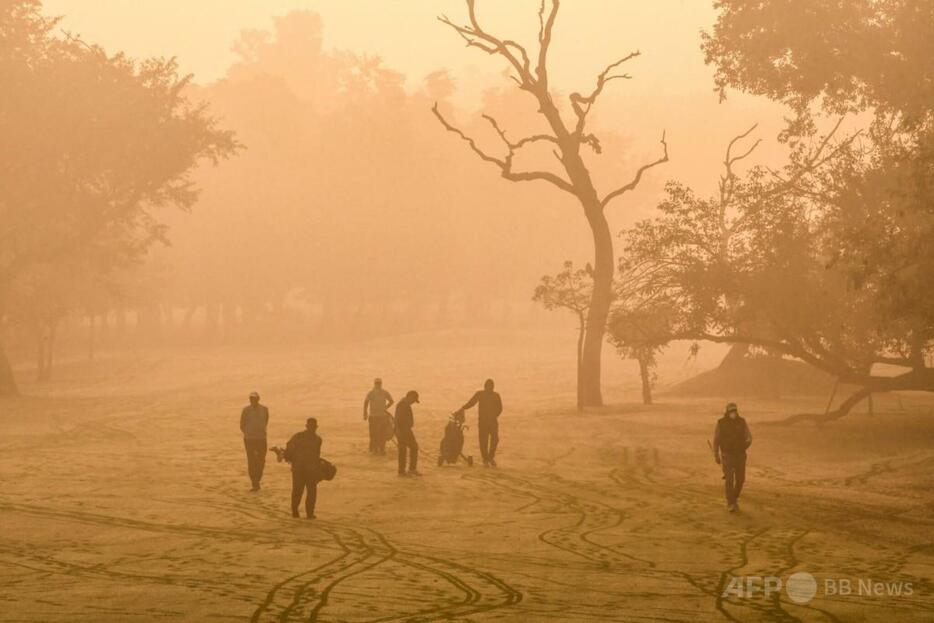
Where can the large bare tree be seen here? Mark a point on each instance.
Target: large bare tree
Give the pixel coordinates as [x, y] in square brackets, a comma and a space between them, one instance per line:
[569, 141]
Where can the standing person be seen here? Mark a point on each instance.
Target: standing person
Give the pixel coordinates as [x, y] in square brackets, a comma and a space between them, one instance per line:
[731, 438]
[304, 453]
[376, 409]
[405, 437]
[253, 421]
[490, 405]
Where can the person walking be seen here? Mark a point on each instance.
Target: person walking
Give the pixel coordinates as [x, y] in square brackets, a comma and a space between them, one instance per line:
[489, 407]
[405, 437]
[731, 439]
[304, 453]
[376, 410]
[253, 422]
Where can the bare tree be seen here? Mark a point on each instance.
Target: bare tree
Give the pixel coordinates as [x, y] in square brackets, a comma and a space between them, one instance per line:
[567, 140]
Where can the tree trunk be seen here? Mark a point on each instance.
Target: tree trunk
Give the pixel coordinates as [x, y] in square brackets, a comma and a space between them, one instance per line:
[590, 392]
[645, 373]
[49, 349]
[211, 319]
[189, 315]
[580, 353]
[602, 297]
[8, 385]
[92, 322]
[41, 339]
[225, 321]
[735, 355]
[120, 321]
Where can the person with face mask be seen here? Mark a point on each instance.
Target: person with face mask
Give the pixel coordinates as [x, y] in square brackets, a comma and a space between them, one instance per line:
[731, 438]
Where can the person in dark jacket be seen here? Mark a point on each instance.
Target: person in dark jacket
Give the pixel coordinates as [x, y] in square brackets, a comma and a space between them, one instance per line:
[253, 421]
[490, 406]
[304, 453]
[405, 437]
[731, 438]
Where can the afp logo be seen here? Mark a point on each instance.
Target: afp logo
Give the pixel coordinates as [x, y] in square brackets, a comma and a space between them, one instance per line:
[802, 587]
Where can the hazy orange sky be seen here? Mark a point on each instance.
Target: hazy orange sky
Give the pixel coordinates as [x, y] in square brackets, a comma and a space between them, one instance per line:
[671, 88]
[406, 33]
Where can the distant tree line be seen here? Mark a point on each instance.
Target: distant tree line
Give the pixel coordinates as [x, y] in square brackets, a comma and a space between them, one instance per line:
[92, 148]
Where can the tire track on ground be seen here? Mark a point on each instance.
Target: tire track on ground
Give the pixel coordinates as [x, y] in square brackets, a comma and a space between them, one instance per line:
[47, 564]
[575, 538]
[303, 596]
[221, 534]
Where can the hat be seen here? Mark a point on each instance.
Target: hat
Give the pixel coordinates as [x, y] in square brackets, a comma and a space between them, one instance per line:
[412, 395]
[254, 394]
[378, 380]
[731, 406]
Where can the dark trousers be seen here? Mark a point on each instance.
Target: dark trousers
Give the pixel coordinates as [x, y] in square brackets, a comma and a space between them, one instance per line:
[377, 430]
[406, 441]
[489, 439]
[734, 474]
[255, 458]
[302, 480]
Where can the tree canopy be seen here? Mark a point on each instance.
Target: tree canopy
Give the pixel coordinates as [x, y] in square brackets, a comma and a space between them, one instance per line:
[92, 147]
[844, 56]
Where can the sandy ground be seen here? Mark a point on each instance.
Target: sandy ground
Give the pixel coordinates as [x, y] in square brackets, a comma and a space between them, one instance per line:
[124, 497]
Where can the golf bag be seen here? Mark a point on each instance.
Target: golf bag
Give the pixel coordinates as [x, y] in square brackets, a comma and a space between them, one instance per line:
[326, 471]
[452, 444]
[386, 426]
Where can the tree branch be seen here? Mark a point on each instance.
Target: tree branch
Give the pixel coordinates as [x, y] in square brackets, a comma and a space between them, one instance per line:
[504, 164]
[729, 160]
[544, 40]
[728, 182]
[638, 177]
[788, 349]
[582, 104]
[845, 407]
[521, 142]
[476, 37]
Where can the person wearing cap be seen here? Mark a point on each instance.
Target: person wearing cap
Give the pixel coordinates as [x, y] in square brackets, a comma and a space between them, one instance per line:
[304, 453]
[253, 421]
[376, 410]
[489, 406]
[405, 437]
[731, 438]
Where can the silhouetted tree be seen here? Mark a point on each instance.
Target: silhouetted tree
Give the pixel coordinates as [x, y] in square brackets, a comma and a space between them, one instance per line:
[567, 142]
[828, 266]
[639, 332]
[845, 56]
[570, 289]
[643, 317]
[91, 147]
[827, 269]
